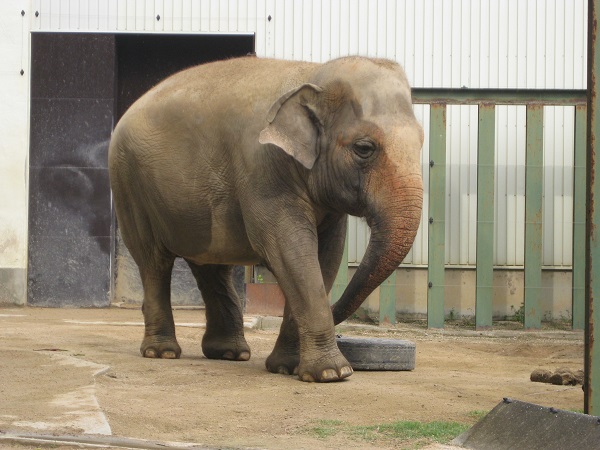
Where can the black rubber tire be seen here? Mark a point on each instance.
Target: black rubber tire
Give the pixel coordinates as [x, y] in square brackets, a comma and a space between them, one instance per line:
[378, 354]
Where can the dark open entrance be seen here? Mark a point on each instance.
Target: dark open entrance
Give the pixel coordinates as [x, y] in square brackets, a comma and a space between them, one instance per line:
[146, 59]
[81, 83]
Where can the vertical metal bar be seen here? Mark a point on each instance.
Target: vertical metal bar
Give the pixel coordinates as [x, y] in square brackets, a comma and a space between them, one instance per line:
[387, 300]
[485, 216]
[592, 278]
[579, 189]
[341, 280]
[437, 216]
[534, 179]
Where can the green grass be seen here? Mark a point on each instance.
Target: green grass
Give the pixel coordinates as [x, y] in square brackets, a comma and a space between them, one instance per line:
[411, 431]
[408, 433]
[325, 428]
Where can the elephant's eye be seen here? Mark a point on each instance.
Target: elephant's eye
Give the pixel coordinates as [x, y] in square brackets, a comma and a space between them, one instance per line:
[364, 149]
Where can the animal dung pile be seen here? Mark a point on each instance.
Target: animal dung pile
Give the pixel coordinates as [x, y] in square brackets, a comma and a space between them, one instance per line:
[561, 376]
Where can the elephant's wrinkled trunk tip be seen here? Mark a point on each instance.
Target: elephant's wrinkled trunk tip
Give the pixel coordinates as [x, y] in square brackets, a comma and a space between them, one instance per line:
[391, 239]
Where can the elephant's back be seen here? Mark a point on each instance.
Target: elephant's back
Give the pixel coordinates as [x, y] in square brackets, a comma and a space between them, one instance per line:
[236, 82]
[213, 102]
[204, 111]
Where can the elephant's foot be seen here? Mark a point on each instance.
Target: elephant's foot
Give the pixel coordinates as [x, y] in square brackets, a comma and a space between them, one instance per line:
[331, 366]
[232, 349]
[283, 361]
[324, 368]
[160, 347]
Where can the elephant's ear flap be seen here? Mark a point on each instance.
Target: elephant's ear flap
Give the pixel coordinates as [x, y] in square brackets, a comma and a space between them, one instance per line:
[294, 125]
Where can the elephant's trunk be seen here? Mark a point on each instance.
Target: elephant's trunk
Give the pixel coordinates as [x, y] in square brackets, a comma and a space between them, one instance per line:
[394, 220]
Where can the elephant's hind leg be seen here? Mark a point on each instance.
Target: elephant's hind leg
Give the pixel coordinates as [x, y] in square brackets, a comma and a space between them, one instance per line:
[224, 335]
[154, 262]
[159, 337]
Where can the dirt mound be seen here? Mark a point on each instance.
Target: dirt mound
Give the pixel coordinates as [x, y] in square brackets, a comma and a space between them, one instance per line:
[561, 376]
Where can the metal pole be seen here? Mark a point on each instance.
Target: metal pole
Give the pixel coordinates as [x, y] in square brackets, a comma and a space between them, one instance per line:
[486, 160]
[592, 279]
[534, 182]
[579, 213]
[437, 217]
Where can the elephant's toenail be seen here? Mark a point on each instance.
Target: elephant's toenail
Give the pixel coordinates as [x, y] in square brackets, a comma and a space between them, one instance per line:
[308, 377]
[150, 353]
[329, 374]
[169, 354]
[228, 355]
[346, 371]
[296, 370]
[244, 356]
[283, 370]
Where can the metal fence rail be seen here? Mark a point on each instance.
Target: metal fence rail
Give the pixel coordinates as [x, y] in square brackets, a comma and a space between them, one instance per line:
[486, 100]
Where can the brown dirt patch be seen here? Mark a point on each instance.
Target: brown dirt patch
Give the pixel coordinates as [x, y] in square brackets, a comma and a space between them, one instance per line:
[239, 404]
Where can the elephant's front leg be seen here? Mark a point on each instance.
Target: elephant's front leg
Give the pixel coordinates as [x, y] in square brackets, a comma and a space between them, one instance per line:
[285, 357]
[295, 263]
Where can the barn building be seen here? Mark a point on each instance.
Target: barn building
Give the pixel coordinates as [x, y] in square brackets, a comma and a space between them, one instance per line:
[71, 68]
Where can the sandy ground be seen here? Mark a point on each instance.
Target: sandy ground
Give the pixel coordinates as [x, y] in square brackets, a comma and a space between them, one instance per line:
[80, 372]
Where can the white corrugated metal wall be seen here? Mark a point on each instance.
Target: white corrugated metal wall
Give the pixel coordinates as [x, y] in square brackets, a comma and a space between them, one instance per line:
[452, 43]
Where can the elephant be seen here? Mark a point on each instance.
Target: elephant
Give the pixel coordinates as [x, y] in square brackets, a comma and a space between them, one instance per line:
[260, 161]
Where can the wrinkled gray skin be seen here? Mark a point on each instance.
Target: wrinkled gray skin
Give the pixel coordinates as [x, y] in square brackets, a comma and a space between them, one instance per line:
[251, 161]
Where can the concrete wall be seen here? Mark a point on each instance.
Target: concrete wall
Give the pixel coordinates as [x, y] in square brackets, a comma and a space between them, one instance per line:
[14, 143]
[411, 293]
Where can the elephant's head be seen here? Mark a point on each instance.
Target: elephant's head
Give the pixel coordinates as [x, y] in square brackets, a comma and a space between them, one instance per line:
[353, 129]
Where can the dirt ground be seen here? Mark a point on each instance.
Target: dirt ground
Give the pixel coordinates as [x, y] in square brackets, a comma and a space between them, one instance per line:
[79, 371]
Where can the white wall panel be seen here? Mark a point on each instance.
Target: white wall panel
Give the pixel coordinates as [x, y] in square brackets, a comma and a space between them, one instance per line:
[472, 43]
[454, 43]
[461, 185]
[558, 185]
[509, 219]
[14, 112]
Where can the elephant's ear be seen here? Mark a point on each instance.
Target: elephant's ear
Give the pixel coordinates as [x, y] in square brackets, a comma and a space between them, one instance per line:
[294, 124]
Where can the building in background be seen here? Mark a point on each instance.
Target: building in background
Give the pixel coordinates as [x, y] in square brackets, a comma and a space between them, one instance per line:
[69, 70]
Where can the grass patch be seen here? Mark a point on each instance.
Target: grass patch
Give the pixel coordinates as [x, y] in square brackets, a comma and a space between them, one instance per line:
[410, 434]
[325, 428]
[416, 432]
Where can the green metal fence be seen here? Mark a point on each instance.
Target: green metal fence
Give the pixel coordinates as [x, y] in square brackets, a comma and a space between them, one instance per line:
[486, 100]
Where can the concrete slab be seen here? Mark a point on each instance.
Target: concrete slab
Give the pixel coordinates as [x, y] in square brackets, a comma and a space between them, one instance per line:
[515, 424]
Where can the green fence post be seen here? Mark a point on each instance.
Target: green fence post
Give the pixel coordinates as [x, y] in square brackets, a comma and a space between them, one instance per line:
[437, 216]
[485, 216]
[387, 300]
[534, 181]
[341, 280]
[591, 395]
[579, 202]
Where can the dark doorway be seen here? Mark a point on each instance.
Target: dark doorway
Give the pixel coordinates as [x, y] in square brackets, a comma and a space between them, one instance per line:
[81, 83]
[71, 119]
[146, 59]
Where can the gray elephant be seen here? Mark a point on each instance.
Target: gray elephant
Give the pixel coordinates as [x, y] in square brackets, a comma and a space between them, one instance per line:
[251, 161]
